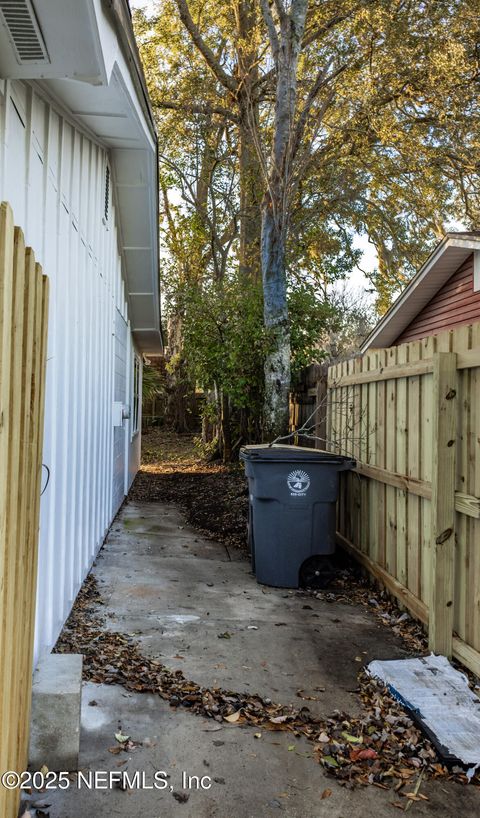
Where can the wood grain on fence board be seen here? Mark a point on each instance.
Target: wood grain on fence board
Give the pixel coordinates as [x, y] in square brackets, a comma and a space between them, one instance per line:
[23, 316]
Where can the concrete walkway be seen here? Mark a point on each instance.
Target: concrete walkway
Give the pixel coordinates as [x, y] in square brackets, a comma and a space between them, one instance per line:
[176, 593]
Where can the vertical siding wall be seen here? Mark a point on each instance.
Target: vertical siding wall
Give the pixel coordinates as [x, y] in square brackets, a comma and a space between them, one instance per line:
[53, 175]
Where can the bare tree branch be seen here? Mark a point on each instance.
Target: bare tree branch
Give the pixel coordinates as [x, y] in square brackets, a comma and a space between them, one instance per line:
[323, 79]
[270, 25]
[196, 108]
[281, 11]
[315, 34]
[225, 79]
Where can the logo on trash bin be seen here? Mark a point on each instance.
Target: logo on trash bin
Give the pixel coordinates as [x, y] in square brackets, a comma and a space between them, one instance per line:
[298, 481]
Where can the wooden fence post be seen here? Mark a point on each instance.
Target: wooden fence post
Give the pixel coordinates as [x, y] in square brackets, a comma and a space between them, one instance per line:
[440, 630]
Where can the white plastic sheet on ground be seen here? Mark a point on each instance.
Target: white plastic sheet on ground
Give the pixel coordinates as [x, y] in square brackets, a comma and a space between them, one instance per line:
[439, 697]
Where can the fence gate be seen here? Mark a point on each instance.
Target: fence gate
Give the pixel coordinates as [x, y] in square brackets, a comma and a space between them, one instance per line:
[23, 340]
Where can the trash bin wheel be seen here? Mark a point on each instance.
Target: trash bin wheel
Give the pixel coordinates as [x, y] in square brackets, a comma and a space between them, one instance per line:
[317, 572]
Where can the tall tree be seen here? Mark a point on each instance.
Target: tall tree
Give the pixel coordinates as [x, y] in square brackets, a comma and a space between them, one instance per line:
[237, 91]
[364, 116]
[285, 36]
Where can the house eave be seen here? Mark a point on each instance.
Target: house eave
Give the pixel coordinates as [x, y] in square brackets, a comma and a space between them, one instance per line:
[94, 74]
[447, 256]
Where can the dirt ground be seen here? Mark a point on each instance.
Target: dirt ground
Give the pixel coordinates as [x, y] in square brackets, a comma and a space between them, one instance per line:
[213, 497]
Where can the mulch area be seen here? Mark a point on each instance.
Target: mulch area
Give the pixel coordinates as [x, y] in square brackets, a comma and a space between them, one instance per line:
[214, 497]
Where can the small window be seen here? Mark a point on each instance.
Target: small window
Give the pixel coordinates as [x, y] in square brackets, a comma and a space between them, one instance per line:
[136, 394]
[106, 207]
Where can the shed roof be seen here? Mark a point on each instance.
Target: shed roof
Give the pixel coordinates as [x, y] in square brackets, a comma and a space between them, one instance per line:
[445, 259]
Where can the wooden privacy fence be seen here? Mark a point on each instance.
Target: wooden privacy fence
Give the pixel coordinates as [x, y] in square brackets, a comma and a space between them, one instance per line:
[410, 513]
[23, 339]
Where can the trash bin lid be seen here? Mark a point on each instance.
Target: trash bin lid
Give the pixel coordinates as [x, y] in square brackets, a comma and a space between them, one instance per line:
[283, 453]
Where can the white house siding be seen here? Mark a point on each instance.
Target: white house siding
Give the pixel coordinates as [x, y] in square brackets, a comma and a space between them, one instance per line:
[53, 175]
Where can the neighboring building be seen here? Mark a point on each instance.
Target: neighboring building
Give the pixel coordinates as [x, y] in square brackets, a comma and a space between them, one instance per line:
[78, 166]
[445, 293]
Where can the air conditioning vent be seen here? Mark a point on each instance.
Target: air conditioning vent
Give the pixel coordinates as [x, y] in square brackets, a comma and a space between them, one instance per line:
[24, 32]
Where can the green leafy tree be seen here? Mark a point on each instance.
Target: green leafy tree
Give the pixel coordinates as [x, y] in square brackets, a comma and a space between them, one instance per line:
[358, 116]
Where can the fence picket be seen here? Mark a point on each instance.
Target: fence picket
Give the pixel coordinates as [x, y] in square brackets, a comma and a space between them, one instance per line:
[23, 300]
[462, 342]
[443, 503]
[474, 489]
[391, 465]
[402, 455]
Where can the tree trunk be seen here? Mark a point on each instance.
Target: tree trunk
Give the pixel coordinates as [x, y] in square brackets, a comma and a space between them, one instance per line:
[285, 43]
[277, 362]
[250, 202]
[176, 378]
[226, 431]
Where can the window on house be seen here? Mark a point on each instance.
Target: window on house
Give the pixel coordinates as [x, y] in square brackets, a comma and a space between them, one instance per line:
[136, 394]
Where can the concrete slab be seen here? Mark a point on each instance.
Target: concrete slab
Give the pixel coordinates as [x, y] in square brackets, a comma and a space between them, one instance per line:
[281, 643]
[55, 722]
[250, 778]
[179, 601]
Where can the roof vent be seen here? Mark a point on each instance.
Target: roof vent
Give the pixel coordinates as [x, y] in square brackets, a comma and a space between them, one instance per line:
[24, 31]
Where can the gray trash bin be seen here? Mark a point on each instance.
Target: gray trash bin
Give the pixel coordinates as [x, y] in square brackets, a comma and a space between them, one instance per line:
[291, 526]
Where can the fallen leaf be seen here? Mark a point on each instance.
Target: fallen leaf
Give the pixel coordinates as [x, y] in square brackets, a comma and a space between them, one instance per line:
[330, 761]
[233, 717]
[352, 739]
[115, 750]
[362, 755]
[121, 738]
